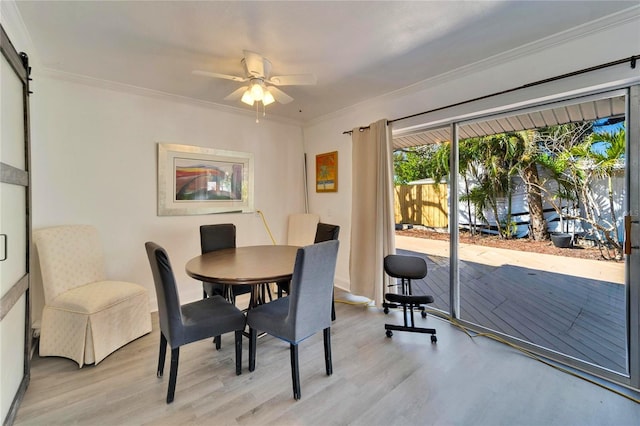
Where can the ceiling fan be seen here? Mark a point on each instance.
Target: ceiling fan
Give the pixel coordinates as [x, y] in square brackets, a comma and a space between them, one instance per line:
[262, 85]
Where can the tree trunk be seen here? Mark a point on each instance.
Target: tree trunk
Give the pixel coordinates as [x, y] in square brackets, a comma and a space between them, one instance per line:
[614, 219]
[539, 231]
[472, 222]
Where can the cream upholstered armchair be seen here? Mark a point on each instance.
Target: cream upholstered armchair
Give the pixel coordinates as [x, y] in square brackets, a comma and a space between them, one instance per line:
[85, 316]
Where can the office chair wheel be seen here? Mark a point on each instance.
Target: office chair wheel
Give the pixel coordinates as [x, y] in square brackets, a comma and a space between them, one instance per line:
[389, 333]
[434, 339]
[386, 311]
[424, 314]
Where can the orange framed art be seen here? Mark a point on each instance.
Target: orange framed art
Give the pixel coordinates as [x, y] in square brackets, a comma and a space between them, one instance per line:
[327, 172]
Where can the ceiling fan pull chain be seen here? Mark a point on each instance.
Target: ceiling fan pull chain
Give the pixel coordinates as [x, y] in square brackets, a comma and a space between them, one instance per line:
[257, 106]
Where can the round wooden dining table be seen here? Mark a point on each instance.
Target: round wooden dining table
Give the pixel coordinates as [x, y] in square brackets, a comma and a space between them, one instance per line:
[253, 265]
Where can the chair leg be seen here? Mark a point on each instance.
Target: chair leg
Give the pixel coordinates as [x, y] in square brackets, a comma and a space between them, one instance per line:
[283, 287]
[238, 352]
[333, 307]
[173, 374]
[268, 290]
[253, 336]
[162, 356]
[218, 341]
[295, 371]
[327, 351]
[413, 324]
[255, 296]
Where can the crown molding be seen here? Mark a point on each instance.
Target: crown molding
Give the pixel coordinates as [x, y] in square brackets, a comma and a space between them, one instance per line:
[13, 24]
[558, 39]
[599, 25]
[156, 94]
[17, 31]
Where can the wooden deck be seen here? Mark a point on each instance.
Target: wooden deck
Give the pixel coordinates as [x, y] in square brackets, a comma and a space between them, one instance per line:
[577, 316]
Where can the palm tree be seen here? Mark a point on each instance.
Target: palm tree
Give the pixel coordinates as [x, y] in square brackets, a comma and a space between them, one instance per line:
[529, 161]
[468, 157]
[500, 156]
[607, 162]
[574, 163]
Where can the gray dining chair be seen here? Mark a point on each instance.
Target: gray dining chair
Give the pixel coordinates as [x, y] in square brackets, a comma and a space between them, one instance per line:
[304, 312]
[328, 232]
[324, 232]
[218, 237]
[183, 324]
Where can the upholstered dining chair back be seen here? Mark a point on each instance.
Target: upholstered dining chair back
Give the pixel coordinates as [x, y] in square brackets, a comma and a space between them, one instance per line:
[169, 312]
[304, 312]
[85, 316]
[217, 237]
[326, 232]
[311, 290]
[70, 256]
[212, 238]
[301, 229]
[183, 324]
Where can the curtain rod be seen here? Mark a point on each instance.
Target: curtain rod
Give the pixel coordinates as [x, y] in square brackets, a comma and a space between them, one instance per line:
[632, 60]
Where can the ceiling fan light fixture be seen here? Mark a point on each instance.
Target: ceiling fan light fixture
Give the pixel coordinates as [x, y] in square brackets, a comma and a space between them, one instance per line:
[257, 92]
[247, 98]
[257, 74]
[267, 98]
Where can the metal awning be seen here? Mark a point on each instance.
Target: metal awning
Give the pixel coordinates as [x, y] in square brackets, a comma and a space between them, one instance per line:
[595, 108]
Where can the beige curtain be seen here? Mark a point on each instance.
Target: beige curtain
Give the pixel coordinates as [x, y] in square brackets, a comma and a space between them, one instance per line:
[372, 219]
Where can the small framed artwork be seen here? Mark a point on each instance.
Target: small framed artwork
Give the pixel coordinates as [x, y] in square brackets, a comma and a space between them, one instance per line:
[194, 180]
[327, 172]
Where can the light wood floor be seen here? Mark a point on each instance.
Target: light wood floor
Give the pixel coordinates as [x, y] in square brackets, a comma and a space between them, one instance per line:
[376, 381]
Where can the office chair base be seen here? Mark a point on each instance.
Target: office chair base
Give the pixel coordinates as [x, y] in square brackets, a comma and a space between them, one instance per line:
[390, 327]
[388, 306]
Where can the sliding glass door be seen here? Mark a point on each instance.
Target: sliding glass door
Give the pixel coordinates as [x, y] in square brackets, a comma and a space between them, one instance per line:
[542, 244]
[422, 210]
[550, 189]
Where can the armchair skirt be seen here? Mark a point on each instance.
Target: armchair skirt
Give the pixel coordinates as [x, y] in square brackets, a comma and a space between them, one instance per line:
[89, 322]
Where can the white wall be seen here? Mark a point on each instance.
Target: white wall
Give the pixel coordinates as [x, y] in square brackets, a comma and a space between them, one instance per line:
[587, 46]
[83, 135]
[94, 161]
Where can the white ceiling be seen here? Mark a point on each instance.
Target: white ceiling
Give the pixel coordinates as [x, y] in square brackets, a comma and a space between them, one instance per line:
[358, 50]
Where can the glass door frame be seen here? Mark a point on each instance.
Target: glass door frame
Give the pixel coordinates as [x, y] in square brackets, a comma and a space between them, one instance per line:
[632, 261]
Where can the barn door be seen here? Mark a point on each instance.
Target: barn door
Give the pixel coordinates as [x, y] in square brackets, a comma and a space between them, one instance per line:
[14, 228]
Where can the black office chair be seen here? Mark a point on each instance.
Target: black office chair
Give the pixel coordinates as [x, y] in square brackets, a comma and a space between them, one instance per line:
[406, 268]
[183, 324]
[304, 312]
[324, 232]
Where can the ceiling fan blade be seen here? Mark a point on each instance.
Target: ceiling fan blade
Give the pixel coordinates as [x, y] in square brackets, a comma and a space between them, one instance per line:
[216, 75]
[236, 94]
[279, 95]
[254, 64]
[294, 80]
